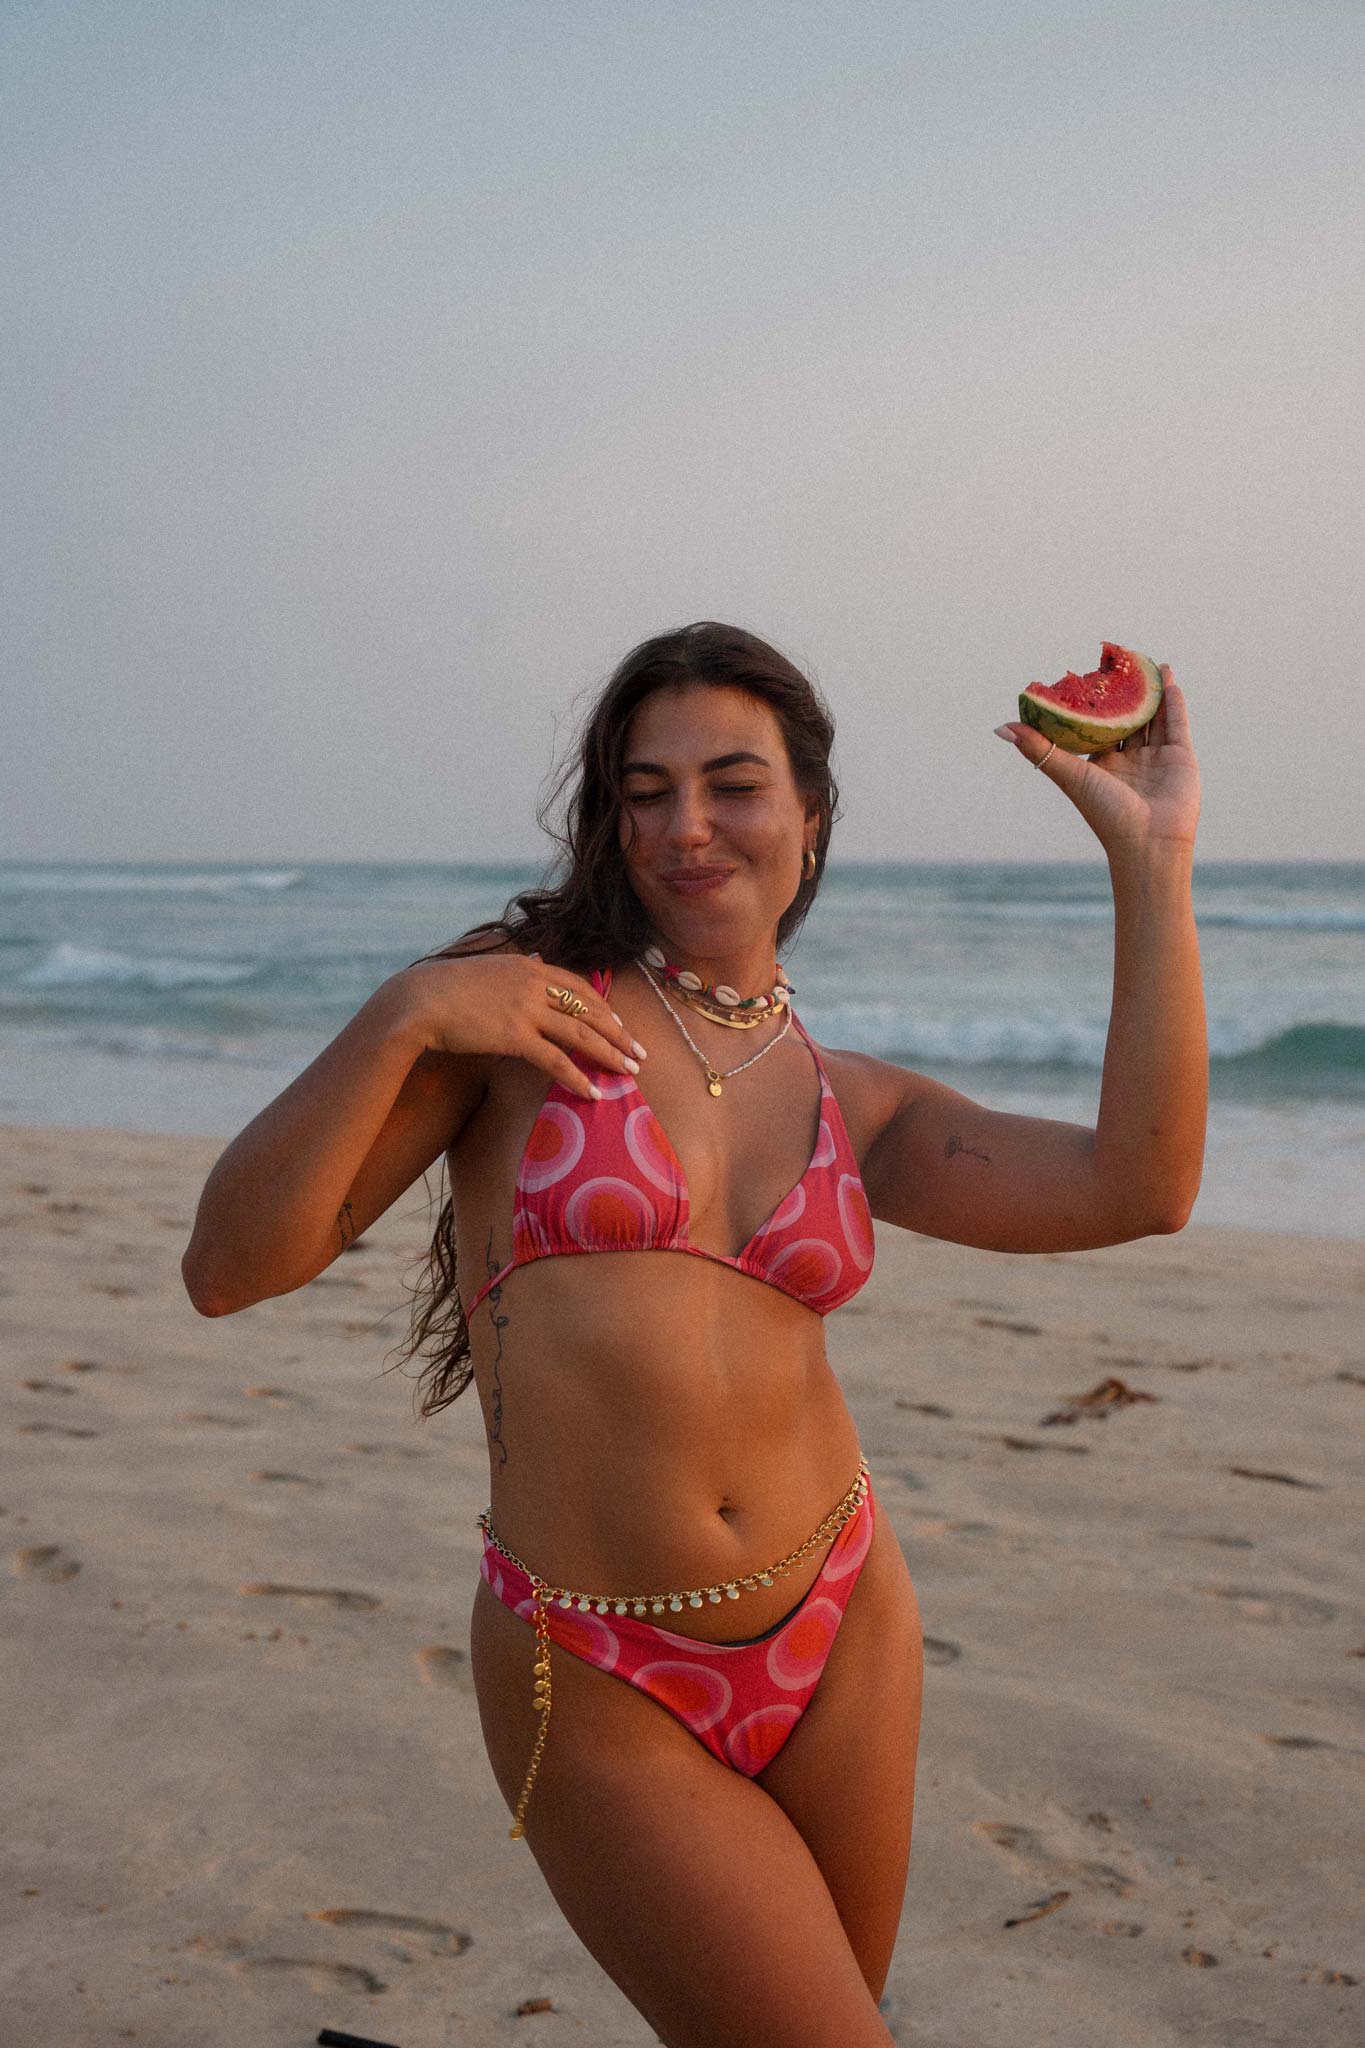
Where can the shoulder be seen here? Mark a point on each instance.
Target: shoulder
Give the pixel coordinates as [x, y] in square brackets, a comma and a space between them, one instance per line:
[870, 1092]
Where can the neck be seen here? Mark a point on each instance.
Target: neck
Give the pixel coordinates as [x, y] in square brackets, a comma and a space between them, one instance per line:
[747, 969]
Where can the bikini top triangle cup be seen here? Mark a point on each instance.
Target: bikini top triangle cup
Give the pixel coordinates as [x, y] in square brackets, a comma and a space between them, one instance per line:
[603, 1177]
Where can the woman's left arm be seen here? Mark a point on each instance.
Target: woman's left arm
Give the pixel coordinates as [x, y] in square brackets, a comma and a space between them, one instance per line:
[945, 1166]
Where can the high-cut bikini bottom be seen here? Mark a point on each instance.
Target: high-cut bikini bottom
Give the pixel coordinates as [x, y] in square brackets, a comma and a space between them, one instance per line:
[741, 1699]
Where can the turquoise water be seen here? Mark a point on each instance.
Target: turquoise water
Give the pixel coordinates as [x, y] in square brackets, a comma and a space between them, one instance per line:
[184, 995]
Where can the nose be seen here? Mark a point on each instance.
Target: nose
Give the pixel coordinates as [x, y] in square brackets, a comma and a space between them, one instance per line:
[689, 824]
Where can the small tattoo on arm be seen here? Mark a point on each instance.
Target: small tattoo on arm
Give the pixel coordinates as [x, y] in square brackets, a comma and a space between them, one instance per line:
[499, 1322]
[955, 1144]
[345, 1224]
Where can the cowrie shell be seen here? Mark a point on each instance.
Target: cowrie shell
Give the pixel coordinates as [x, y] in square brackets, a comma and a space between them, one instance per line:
[687, 979]
[728, 996]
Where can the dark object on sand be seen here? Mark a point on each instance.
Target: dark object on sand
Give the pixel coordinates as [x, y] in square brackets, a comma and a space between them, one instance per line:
[330, 2038]
[1099, 1402]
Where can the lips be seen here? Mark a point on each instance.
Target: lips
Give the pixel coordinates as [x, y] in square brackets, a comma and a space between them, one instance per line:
[695, 881]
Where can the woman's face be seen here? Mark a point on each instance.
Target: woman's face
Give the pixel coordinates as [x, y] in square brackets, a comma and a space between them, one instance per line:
[719, 822]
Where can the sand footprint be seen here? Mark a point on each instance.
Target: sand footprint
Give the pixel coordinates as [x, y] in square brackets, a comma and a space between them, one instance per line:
[389, 1450]
[205, 1415]
[1291, 1610]
[439, 1664]
[281, 1396]
[1278, 1478]
[286, 1478]
[435, 1936]
[320, 1976]
[1026, 1848]
[53, 1429]
[45, 1561]
[46, 1387]
[1028, 1443]
[938, 1650]
[340, 1597]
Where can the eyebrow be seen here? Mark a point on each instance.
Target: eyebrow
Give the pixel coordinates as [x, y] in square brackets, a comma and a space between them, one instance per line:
[720, 761]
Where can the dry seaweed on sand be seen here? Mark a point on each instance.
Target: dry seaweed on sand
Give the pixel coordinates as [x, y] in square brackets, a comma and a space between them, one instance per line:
[1100, 1402]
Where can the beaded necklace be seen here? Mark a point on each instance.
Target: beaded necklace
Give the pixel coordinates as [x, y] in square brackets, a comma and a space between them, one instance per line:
[714, 1078]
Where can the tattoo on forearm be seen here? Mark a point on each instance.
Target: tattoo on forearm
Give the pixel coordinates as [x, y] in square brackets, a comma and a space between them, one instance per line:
[955, 1144]
[345, 1224]
[499, 1322]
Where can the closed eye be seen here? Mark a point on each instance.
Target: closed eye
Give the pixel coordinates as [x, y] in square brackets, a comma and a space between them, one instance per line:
[722, 789]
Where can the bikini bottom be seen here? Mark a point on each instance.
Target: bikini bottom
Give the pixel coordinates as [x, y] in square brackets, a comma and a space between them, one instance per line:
[740, 1699]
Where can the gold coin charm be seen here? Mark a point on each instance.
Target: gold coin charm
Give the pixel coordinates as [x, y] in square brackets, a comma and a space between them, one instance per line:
[713, 1083]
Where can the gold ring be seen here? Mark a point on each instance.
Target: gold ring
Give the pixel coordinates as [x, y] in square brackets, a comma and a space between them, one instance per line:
[572, 1005]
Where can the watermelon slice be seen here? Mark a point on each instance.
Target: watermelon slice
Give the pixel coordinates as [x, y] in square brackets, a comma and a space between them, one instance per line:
[1090, 714]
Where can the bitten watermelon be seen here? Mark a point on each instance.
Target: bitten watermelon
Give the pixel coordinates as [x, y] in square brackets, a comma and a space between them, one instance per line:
[1090, 714]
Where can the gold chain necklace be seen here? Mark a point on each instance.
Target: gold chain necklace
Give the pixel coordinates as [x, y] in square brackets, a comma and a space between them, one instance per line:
[714, 1078]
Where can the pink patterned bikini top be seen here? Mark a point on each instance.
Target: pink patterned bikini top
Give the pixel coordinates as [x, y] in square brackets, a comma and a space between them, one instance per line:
[603, 1177]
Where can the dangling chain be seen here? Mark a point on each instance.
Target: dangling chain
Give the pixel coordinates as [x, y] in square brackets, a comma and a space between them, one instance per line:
[640, 1603]
[541, 1703]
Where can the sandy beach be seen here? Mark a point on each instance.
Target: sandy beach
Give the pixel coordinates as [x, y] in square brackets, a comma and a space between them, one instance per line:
[245, 1791]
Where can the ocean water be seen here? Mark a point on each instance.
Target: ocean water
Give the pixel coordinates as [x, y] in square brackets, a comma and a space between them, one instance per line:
[183, 996]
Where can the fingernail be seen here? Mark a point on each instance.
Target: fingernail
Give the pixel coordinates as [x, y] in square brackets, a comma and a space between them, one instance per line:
[632, 1065]
[1003, 731]
[595, 1091]
[636, 1046]
[619, 1020]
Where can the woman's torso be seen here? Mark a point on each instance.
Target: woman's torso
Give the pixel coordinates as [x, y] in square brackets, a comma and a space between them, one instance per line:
[655, 1419]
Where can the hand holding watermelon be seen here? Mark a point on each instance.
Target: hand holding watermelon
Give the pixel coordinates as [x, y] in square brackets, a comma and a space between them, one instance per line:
[1122, 748]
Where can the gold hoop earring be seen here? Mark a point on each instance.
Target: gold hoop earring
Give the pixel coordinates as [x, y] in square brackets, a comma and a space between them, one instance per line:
[808, 863]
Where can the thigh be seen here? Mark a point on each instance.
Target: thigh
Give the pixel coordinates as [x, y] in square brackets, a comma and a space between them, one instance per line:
[845, 1776]
[684, 1879]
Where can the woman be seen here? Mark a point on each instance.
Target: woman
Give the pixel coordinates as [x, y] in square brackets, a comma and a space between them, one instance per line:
[721, 1799]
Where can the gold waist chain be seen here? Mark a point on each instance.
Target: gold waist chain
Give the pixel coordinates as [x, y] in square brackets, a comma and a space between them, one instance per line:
[648, 1603]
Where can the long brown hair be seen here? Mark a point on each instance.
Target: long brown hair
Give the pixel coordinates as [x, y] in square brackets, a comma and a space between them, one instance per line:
[586, 914]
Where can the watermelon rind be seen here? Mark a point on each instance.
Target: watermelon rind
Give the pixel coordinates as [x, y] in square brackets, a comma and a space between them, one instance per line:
[1087, 732]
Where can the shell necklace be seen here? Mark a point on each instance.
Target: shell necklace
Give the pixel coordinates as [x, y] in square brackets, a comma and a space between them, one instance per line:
[714, 1079]
[722, 1004]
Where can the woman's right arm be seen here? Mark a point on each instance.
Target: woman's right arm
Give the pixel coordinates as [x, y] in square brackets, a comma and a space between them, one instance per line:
[373, 1111]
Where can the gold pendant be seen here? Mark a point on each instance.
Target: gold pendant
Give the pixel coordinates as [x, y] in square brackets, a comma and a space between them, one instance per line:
[712, 1081]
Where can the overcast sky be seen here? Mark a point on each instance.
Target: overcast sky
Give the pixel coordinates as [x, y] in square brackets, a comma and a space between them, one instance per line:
[376, 376]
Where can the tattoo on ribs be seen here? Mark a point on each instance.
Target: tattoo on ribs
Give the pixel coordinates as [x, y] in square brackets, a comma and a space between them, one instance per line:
[345, 1224]
[955, 1144]
[499, 1322]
